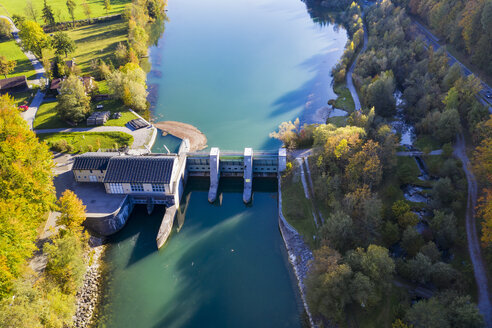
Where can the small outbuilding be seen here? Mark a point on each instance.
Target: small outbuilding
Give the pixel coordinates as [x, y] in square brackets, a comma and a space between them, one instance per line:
[13, 84]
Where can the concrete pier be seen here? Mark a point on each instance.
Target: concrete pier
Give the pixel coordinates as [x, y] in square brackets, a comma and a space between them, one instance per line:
[214, 174]
[282, 159]
[248, 174]
[166, 226]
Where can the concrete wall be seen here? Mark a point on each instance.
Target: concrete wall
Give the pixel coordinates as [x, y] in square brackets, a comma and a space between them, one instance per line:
[84, 175]
[110, 224]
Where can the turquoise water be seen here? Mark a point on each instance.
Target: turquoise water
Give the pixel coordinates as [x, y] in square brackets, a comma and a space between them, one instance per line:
[234, 69]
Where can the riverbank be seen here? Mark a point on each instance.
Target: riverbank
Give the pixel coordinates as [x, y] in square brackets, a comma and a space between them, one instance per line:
[198, 140]
[89, 294]
[300, 256]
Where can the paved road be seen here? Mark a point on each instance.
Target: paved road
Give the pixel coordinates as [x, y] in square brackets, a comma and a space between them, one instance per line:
[432, 40]
[350, 81]
[472, 235]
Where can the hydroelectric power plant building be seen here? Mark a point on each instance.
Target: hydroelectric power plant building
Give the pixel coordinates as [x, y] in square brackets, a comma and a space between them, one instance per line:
[161, 178]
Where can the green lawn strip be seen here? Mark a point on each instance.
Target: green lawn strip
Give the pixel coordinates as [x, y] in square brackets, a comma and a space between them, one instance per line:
[320, 205]
[47, 116]
[83, 141]
[96, 6]
[297, 209]
[12, 51]
[339, 121]
[344, 100]
[97, 41]
[23, 98]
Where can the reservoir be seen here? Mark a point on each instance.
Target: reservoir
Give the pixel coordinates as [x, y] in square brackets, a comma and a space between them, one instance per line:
[235, 69]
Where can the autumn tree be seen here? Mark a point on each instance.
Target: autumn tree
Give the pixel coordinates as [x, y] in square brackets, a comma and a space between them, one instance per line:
[6, 66]
[33, 37]
[72, 211]
[5, 28]
[62, 43]
[287, 133]
[128, 84]
[26, 191]
[73, 103]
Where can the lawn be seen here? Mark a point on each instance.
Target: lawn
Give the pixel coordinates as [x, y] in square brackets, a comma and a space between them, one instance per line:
[47, 117]
[297, 209]
[23, 98]
[97, 41]
[12, 51]
[344, 100]
[60, 8]
[81, 142]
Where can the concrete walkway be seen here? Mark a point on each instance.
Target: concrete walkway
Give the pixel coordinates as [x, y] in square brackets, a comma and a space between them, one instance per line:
[142, 138]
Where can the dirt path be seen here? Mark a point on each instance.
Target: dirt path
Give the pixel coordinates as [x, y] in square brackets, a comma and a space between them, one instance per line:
[472, 235]
[198, 140]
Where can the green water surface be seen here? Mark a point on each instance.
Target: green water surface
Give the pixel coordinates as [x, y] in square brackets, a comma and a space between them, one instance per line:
[234, 69]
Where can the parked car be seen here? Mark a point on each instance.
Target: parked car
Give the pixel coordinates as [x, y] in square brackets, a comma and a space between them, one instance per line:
[23, 108]
[488, 95]
[99, 106]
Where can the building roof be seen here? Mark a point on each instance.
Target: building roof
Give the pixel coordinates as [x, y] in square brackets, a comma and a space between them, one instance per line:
[140, 169]
[56, 83]
[92, 162]
[13, 82]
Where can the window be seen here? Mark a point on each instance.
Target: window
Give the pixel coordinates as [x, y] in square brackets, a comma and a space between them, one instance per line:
[116, 188]
[136, 187]
[158, 188]
[92, 178]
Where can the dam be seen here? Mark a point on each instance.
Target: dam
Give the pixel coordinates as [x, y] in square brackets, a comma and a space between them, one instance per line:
[161, 179]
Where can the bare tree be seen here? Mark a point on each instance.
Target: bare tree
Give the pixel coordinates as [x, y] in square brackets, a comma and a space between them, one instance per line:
[31, 12]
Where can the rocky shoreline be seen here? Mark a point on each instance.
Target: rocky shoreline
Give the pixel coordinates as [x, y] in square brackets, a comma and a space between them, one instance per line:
[300, 255]
[88, 295]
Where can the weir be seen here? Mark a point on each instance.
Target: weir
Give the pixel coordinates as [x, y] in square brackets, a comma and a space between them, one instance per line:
[161, 178]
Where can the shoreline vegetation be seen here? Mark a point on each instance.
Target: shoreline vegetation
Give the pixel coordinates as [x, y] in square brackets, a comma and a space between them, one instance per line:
[65, 292]
[407, 247]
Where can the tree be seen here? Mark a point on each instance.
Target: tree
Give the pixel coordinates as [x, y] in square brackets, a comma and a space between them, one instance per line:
[48, 16]
[328, 284]
[62, 43]
[33, 37]
[287, 133]
[72, 211]
[444, 229]
[448, 126]
[71, 10]
[31, 12]
[428, 314]
[128, 84]
[374, 263]
[73, 103]
[338, 231]
[107, 5]
[6, 66]
[419, 269]
[411, 241]
[26, 191]
[380, 94]
[5, 28]
[66, 261]
[87, 10]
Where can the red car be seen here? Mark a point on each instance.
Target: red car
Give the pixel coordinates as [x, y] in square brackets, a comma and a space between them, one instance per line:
[23, 108]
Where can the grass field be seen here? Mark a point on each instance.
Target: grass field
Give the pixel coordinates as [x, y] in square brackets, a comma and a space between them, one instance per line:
[344, 100]
[97, 41]
[23, 98]
[12, 51]
[47, 117]
[297, 209]
[81, 142]
[59, 7]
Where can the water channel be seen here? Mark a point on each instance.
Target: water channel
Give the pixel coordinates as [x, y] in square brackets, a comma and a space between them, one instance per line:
[235, 70]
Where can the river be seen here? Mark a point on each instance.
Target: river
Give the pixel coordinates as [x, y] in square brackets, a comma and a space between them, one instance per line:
[235, 70]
